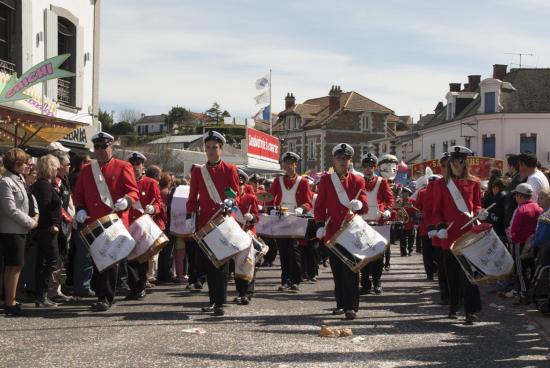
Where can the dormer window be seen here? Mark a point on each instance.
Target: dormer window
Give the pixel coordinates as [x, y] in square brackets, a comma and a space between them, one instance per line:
[490, 91]
[490, 102]
[365, 122]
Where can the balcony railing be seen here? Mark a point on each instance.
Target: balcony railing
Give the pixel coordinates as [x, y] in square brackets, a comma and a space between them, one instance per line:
[7, 67]
[64, 91]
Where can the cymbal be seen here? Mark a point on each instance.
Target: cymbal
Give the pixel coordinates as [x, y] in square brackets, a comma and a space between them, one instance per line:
[264, 197]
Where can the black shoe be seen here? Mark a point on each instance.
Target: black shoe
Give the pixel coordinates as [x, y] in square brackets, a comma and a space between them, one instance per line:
[85, 294]
[100, 307]
[245, 300]
[294, 287]
[136, 296]
[364, 291]
[208, 308]
[403, 255]
[470, 319]
[198, 285]
[325, 264]
[386, 268]
[237, 299]
[44, 302]
[410, 254]
[313, 279]
[452, 315]
[337, 311]
[14, 310]
[283, 288]
[218, 311]
[430, 277]
[350, 314]
[378, 289]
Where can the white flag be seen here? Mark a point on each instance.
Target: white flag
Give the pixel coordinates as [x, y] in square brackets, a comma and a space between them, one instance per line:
[263, 82]
[262, 98]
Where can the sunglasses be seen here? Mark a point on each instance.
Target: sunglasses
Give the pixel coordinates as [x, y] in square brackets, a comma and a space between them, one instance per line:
[460, 161]
[368, 165]
[101, 146]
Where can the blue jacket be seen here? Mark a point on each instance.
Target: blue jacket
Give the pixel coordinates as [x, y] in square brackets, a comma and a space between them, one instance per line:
[542, 234]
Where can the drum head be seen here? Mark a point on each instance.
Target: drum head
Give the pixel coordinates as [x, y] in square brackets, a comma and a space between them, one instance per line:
[264, 197]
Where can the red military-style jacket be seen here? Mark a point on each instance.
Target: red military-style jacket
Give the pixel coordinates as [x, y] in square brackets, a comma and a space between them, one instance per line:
[149, 193]
[249, 203]
[411, 211]
[304, 195]
[384, 196]
[121, 182]
[328, 205]
[444, 210]
[224, 175]
[421, 203]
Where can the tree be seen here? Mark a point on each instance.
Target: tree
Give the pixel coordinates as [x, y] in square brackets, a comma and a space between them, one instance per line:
[215, 113]
[106, 120]
[122, 128]
[177, 115]
[128, 115]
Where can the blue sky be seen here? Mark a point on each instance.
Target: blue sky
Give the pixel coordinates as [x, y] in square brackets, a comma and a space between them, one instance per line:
[402, 54]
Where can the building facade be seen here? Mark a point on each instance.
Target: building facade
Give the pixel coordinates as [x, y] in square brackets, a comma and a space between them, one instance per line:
[313, 127]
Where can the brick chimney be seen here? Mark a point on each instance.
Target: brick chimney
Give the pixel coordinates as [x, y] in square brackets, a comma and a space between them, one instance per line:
[454, 87]
[334, 99]
[290, 101]
[466, 87]
[499, 71]
[473, 82]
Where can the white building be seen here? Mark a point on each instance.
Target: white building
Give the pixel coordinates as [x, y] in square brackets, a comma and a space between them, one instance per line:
[507, 113]
[35, 30]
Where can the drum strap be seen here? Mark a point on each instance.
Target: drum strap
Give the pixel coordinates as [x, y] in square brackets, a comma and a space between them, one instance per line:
[289, 195]
[340, 190]
[212, 191]
[101, 184]
[372, 199]
[137, 204]
[458, 199]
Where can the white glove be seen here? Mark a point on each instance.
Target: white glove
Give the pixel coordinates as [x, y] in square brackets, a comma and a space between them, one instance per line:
[321, 232]
[483, 214]
[248, 217]
[442, 234]
[432, 233]
[298, 211]
[260, 208]
[121, 205]
[190, 223]
[149, 209]
[81, 216]
[386, 214]
[229, 202]
[355, 204]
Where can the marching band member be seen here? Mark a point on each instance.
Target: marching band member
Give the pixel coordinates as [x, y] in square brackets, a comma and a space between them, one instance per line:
[115, 190]
[406, 241]
[291, 191]
[457, 198]
[380, 202]
[248, 206]
[209, 184]
[423, 203]
[149, 203]
[335, 199]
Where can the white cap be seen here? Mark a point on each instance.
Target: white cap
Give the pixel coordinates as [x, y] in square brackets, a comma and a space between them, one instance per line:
[103, 136]
[460, 151]
[524, 188]
[56, 146]
[212, 134]
[343, 147]
[137, 155]
[291, 155]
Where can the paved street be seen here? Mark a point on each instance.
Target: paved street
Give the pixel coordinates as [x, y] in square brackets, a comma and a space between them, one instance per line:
[401, 328]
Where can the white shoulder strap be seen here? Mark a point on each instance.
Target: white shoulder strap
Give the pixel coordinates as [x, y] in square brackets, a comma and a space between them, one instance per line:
[458, 199]
[377, 185]
[212, 191]
[101, 184]
[340, 191]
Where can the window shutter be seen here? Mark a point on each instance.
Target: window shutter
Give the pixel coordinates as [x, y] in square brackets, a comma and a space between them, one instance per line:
[79, 66]
[27, 35]
[51, 48]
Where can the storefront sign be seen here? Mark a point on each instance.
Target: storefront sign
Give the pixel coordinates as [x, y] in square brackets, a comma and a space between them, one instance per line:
[479, 166]
[263, 146]
[15, 89]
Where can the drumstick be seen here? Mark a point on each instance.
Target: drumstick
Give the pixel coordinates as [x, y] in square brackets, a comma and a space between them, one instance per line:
[450, 225]
[328, 221]
[476, 217]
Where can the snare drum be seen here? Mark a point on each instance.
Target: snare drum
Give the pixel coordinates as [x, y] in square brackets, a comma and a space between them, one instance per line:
[483, 257]
[260, 248]
[108, 241]
[283, 226]
[357, 244]
[149, 239]
[222, 238]
[178, 212]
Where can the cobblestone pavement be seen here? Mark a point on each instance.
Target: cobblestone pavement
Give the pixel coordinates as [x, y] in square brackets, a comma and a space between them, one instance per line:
[403, 327]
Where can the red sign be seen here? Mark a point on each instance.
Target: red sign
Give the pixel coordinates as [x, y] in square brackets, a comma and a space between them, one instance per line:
[263, 146]
[479, 166]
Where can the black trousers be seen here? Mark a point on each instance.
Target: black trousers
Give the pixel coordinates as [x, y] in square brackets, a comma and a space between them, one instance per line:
[419, 243]
[216, 278]
[272, 252]
[195, 272]
[310, 259]
[346, 284]
[104, 283]
[406, 241]
[166, 261]
[374, 271]
[137, 276]
[291, 264]
[46, 260]
[441, 272]
[458, 282]
[428, 256]
[387, 255]
[246, 287]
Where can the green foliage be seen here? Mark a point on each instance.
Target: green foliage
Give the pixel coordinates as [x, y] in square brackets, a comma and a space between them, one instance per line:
[216, 114]
[177, 114]
[122, 128]
[106, 120]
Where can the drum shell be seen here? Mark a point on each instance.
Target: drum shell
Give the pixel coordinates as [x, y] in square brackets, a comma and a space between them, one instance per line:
[150, 239]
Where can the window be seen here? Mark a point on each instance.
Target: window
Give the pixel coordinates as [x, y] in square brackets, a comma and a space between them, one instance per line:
[311, 149]
[468, 142]
[489, 146]
[298, 123]
[445, 146]
[8, 47]
[450, 111]
[291, 147]
[490, 102]
[432, 151]
[453, 142]
[528, 144]
[66, 41]
[365, 122]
